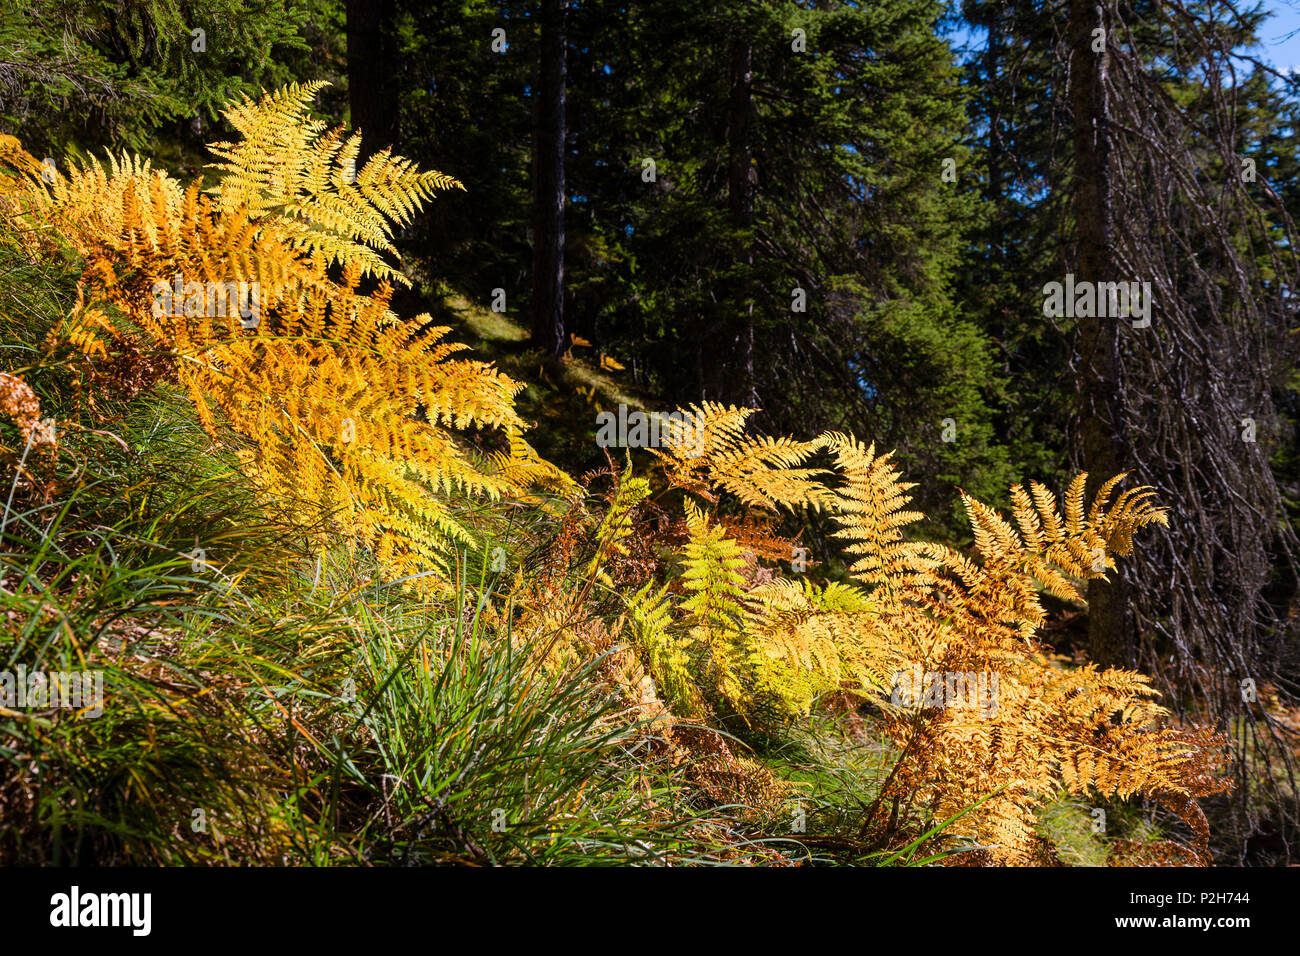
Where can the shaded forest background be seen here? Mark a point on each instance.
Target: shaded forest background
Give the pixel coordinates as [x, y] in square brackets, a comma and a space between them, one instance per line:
[826, 211]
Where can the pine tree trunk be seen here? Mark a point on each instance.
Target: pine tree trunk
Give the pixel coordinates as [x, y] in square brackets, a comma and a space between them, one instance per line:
[740, 198]
[370, 63]
[1100, 418]
[548, 182]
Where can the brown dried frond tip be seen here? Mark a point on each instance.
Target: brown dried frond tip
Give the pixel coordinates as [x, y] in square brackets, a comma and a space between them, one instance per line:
[19, 403]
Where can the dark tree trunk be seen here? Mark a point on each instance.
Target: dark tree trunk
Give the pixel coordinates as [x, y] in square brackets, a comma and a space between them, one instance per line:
[548, 182]
[371, 58]
[1100, 417]
[740, 199]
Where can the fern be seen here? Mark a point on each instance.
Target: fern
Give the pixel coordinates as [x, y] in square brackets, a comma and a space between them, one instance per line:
[651, 618]
[715, 610]
[292, 169]
[710, 450]
[870, 513]
[354, 419]
[366, 426]
[770, 650]
[617, 523]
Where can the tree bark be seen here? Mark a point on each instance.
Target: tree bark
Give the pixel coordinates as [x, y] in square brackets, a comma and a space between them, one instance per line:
[548, 181]
[1100, 416]
[740, 199]
[371, 59]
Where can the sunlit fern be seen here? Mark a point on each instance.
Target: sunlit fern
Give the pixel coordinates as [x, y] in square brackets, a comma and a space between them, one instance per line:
[354, 419]
[771, 650]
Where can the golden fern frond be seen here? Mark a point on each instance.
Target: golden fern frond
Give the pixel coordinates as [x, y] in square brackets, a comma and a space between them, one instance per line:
[651, 618]
[1088, 732]
[682, 455]
[19, 161]
[870, 512]
[1045, 503]
[352, 414]
[290, 169]
[715, 609]
[754, 532]
[793, 654]
[764, 472]
[1132, 511]
[1074, 505]
[523, 468]
[804, 640]
[708, 451]
[617, 523]
[711, 573]
[1056, 550]
[332, 418]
